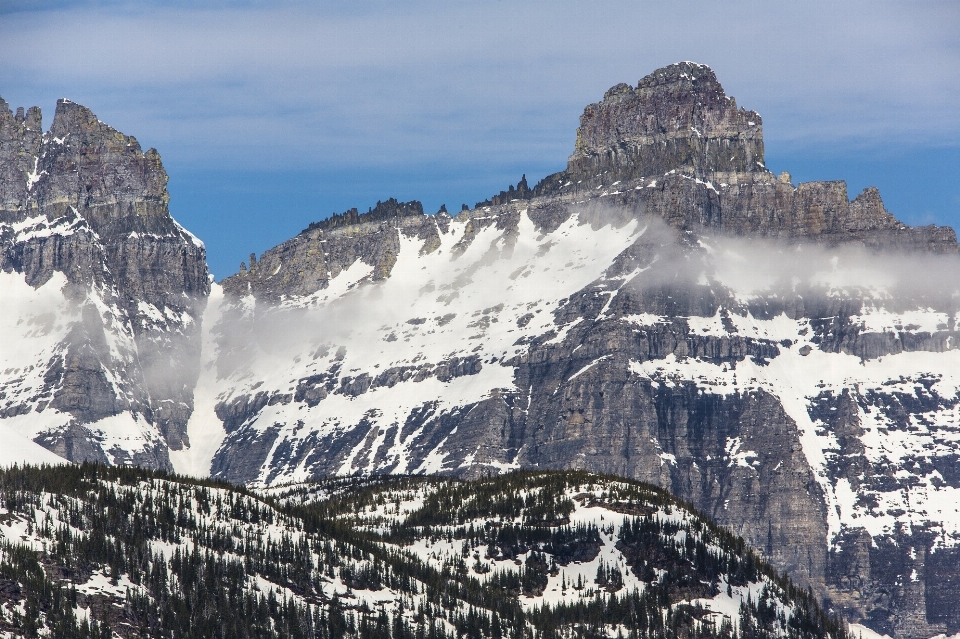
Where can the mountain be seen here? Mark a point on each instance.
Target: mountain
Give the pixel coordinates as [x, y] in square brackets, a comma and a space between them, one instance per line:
[779, 355]
[90, 551]
[665, 309]
[100, 358]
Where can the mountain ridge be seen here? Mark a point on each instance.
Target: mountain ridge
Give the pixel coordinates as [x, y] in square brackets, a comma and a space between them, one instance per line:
[775, 353]
[131, 552]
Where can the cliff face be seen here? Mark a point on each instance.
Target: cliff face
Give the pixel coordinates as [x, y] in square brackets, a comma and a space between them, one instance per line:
[84, 213]
[593, 323]
[677, 117]
[664, 309]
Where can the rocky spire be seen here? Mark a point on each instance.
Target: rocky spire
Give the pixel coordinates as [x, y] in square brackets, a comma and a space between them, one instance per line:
[103, 174]
[20, 136]
[678, 117]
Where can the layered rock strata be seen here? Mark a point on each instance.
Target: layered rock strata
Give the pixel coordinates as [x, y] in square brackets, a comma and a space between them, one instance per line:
[84, 210]
[675, 118]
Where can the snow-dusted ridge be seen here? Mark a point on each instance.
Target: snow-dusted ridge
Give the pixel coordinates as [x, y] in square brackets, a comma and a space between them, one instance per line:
[473, 305]
[121, 549]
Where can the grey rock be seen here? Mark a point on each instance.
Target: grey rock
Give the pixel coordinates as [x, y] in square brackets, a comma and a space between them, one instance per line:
[308, 262]
[98, 209]
[678, 117]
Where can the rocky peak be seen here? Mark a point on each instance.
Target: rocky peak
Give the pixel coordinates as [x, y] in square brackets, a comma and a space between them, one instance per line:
[678, 117]
[19, 145]
[103, 174]
[71, 117]
[85, 200]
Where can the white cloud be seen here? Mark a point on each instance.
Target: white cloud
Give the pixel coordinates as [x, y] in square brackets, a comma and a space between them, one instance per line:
[256, 84]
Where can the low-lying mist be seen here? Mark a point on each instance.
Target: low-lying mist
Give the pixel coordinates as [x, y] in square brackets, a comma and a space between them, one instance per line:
[817, 279]
[755, 267]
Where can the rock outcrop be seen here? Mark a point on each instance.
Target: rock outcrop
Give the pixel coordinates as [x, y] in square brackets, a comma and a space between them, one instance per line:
[307, 263]
[85, 201]
[677, 117]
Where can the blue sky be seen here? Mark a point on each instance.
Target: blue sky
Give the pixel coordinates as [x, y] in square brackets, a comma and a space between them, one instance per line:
[270, 115]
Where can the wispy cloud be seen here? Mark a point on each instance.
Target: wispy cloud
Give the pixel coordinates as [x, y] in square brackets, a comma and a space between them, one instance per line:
[262, 84]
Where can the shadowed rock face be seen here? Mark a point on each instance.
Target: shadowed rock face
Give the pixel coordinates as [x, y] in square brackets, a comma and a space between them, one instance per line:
[85, 200]
[20, 137]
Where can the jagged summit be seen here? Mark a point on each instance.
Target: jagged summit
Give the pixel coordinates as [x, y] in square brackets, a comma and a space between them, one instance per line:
[677, 117]
[82, 164]
[84, 208]
[125, 188]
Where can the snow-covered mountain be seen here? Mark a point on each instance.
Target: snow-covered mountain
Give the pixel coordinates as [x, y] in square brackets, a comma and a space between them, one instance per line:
[776, 353]
[101, 292]
[666, 309]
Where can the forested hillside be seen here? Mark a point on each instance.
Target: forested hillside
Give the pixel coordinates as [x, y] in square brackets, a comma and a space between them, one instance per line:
[91, 551]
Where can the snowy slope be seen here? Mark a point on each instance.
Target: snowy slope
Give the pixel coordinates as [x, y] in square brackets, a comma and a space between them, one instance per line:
[504, 290]
[17, 449]
[46, 331]
[35, 323]
[804, 395]
[477, 306]
[488, 303]
[205, 434]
